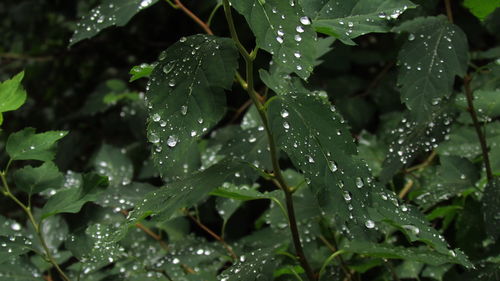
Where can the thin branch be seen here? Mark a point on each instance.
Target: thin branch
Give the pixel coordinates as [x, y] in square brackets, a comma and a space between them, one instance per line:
[149, 232]
[449, 13]
[14, 56]
[190, 14]
[249, 58]
[406, 189]
[424, 164]
[482, 139]
[214, 235]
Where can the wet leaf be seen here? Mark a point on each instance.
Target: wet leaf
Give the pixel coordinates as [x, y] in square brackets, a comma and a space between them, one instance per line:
[12, 94]
[28, 145]
[186, 94]
[37, 179]
[491, 208]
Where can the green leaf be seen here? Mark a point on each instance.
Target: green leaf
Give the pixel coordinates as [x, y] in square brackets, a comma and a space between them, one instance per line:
[486, 103]
[382, 250]
[454, 175]
[433, 54]
[114, 164]
[491, 208]
[19, 269]
[256, 265]
[162, 203]
[72, 200]
[109, 13]
[481, 8]
[349, 19]
[281, 28]
[34, 180]
[13, 246]
[143, 70]
[12, 94]
[413, 136]
[319, 144]
[27, 145]
[186, 96]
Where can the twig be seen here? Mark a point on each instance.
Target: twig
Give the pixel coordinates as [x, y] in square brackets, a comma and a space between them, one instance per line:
[215, 236]
[190, 14]
[448, 10]
[406, 189]
[424, 164]
[149, 232]
[249, 58]
[13, 56]
[482, 139]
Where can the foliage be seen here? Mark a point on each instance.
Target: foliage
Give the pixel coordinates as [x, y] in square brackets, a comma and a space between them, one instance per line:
[275, 140]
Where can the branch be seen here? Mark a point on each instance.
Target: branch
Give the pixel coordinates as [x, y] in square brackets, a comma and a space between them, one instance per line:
[482, 139]
[214, 235]
[448, 10]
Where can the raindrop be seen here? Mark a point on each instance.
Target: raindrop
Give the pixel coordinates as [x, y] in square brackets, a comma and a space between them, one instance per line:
[279, 39]
[298, 38]
[284, 113]
[359, 182]
[172, 141]
[286, 125]
[299, 29]
[305, 20]
[156, 117]
[369, 224]
[411, 37]
[153, 138]
[184, 110]
[332, 166]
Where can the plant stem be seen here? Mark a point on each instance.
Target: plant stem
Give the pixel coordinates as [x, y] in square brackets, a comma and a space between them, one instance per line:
[482, 139]
[36, 226]
[214, 235]
[448, 10]
[249, 58]
[329, 260]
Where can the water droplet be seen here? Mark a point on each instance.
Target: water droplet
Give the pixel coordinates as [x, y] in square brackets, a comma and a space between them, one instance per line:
[297, 54]
[332, 166]
[305, 20]
[299, 29]
[183, 39]
[411, 37]
[369, 224]
[168, 67]
[284, 113]
[153, 138]
[298, 38]
[172, 141]
[359, 182]
[156, 117]
[184, 110]
[279, 39]
[286, 125]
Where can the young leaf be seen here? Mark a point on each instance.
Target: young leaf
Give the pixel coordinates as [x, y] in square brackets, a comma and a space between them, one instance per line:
[349, 19]
[433, 54]
[72, 200]
[282, 29]
[34, 180]
[143, 70]
[186, 96]
[491, 208]
[12, 94]
[27, 145]
[481, 8]
[109, 13]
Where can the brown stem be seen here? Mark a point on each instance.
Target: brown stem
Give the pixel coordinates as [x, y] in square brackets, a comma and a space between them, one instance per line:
[424, 164]
[405, 189]
[449, 13]
[482, 139]
[214, 235]
[190, 14]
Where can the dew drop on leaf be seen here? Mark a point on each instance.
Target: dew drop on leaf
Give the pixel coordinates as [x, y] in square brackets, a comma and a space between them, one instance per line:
[172, 141]
[369, 224]
[305, 20]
